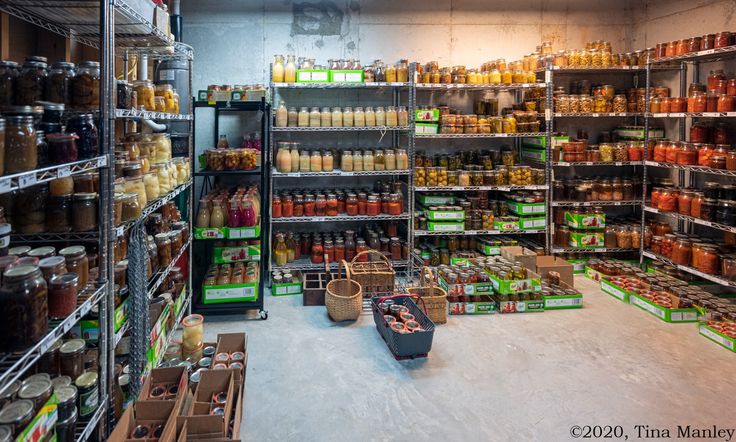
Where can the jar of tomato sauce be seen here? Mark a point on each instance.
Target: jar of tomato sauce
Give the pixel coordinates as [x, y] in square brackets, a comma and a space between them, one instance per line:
[635, 151]
[721, 134]
[320, 205]
[671, 153]
[310, 205]
[684, 200]
[731, 87]
[276, 207]
[362, 203]
[711, 102]
[373, 207]
[707, 260]
[696, 102]
[671, 50]
[707, 41]
[351, 204]
[718, 161]
[704, 153]
[668, 243]
[725, 103]
[678, 104]
[331, 205]
[698, 133]
[714, 79]
[287, 206]
[682, 46]
[660, 150]
[687, 155]
[682, 252]
[665, 104]
[317, 252]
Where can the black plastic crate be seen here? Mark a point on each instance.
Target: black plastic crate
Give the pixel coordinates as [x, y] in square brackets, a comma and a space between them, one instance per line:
[404, 345]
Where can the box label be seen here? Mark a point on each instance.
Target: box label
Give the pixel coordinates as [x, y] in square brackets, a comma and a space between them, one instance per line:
[708, 333]
[658, 312]
[553, 302]
[613, 290]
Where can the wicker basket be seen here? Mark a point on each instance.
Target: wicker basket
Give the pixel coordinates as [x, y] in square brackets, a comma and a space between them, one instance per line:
[376, 276]
[344, 297]
[435, 298]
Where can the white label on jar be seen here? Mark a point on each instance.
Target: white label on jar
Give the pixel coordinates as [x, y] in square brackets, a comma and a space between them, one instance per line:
[63, 171]
[27, 180]
[167, 75]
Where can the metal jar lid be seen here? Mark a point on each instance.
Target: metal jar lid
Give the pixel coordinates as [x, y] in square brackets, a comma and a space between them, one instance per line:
[16, 412]
[86, 380]
[61, 381]
[6, 433]
[35, 389]
[11, 390]
[73, 346]
[36, 377]
[66, 394]
[45, 251]
[72, 251]
[19, 251]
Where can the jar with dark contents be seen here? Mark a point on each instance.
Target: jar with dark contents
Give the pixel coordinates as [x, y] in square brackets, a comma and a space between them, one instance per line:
[124, 95]
[62, 148]
[17, 415]
[8, 80]
[21, 153]
[63, 295]
[88, 394]
[49, 361]
[84, 127]
[71, 358]
[59, 214]
[86, 85]
[38, 391]
[59, 83]
[84, 215]
[31, 83]
[23, 307]
[77, 262]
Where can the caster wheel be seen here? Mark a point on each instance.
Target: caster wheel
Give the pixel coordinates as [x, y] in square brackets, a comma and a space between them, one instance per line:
[263, 314]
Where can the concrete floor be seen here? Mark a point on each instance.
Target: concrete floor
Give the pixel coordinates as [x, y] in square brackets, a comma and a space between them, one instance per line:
[499, 377]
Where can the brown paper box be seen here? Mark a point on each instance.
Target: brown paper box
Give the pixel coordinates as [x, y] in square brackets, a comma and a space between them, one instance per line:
[546, 264]
[146, 413]
[199, 428]
[169, 375]
[526, 257]
[211, 382]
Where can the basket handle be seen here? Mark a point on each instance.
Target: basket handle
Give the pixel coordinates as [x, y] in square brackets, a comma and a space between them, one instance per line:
[327, 264]
[423, 307]
[344, 265]
[428, 279]
[368, 252]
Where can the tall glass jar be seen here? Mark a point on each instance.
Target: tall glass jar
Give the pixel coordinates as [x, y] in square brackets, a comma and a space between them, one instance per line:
[59, 83]
[77, 262]
[8, 80]
[303, 117]
[84, 127]
[23, 308]
[31, 83]
[21, 153]
[86, 85]
[315, 117]
[325, 117]
[348, 118]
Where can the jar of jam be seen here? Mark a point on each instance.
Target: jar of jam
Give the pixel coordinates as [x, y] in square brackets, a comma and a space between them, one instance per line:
[31, 84]
[84, 127]
[731, 160]
[8, 80]
[21, 153]
[726, 212]
[86, 85]
[59, 83]
[684, 200]
[722, 39]
[708, 209]
[77, 262]
[62, 299]
[717, 161]
[59, 214]
[681, 252]
[721, 134]
[660, 150]
[84, 212]
[23, 303]
[726, 103]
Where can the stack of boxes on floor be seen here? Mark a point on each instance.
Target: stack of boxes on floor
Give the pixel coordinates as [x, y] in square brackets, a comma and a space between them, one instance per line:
[174, 405]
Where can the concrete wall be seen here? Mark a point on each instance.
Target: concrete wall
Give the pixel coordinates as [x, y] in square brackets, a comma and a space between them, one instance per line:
[235, 41]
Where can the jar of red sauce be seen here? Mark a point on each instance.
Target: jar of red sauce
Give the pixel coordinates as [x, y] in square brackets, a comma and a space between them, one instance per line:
[317, 255]
[684, 200]
[696, 202]
[707, 260]
[361, 246]
[717, 161]
[320, 205]
[331, 205]
[682, 46]
[726, 103]
[660, 150]
[671, 153]
[731, 86]
[341, 197]
[373, 207]
[385, 196]
[722, 39]
[668, 243]
[661, 229]
[714, 79]
[287, 206]
[678, 104]
[671, 50]
[310, 207]
[696, 102]
[276, 207]
[298, 205]
[731, 160]
[707, 41]
[698, 133]
[362, 203]
[694, 44]
[704, 153]
[339, 250]
[635, 151]
[667, 200]
[329, 250]
[665, 105]
[351, 204]
[681, 252]
[394, 204]
[656, 245]
[660, 50]
[711, 102]
[687, 155]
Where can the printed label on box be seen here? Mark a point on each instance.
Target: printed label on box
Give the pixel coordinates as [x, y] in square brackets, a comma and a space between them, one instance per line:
[710, 334]
[648, 307]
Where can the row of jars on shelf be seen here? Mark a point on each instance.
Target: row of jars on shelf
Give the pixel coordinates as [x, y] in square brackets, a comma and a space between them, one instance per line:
[240, 207]
[694, 44]
[579, 150]
[458, 160]
[696, 252]
[236, 273]
[337, 246]
[25, 146]
[575, 104]
[591, 58]
[474, 175]
[352, 203]
[716, 202]
[622, 236]
[460, 75]
[516, 122]
[143, 94]
[25, 289]
[289, 158]
[597, 189]
[341, 116]
[378, 71]
[715, 156]
[231, 159]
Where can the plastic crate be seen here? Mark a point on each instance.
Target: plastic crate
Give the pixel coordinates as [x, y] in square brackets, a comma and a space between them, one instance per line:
[404, 345]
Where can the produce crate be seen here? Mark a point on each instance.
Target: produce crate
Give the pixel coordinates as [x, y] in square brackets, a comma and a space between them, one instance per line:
[490, 249]
[578, 265]
[312, 75]
[532, 283]
[315, 285]
[717, 337]
[519, 208]
[585, 220]
[217, 294]
[225, 255]
[664, 313]
[481, 305]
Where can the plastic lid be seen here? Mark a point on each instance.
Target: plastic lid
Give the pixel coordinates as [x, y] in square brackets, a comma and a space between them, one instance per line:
[192, 320]
[19, 250]
[51, 261]
[20, 271]
[73, 346]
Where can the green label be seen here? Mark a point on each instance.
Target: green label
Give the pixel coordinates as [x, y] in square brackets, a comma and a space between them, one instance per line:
[88, 402]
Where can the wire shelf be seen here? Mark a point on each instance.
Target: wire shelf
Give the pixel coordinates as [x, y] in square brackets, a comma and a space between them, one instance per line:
[478, 87]
[598, 114]
[9, 183]
[479, 188]
[691, 219]
[692, 271]
[339, 218]
[152, 207]
[700, 169]
[138, 114]
[276, 174]
[340, 129]
[516, 135]
[56, 237]
[306, 264]
[158, 279]
[480, 232]
[85, 427]
[596, 163]
[365, 85]
[595, 250]
[708, 55]
[594, 203]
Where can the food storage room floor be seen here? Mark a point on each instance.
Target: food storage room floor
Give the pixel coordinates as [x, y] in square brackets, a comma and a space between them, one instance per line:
[499, 377]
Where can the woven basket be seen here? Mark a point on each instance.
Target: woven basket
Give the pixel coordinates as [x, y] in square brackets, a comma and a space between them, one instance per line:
[344, 297]
[434, 297]
[376, 276]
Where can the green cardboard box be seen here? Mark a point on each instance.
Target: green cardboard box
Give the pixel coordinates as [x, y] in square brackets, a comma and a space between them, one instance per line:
[489, 249]
[617, 292]
[427, 115]
[532, 222]
[539, 155]
[288, 288]
[436, 200]
[209, 233]
[587, 240]
[312, 75]
[476, 289]
[346, 76]
[484, 305]
[663, 313]
[224, 255]
[506, 224]
[717, 337]
[42, 425]
[541, 142]
[445, 227]
[563, 302]
[578, 265]
[532, 283]
[637, 133]
[426, 128]
[89, 329]
[445, 215]
[217, 294]
[528, 306]
[242, 232]
[526, 208]
[583, 221]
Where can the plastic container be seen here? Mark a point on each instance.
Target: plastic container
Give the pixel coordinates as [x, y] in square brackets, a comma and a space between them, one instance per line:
[411, 345]
[192, 336]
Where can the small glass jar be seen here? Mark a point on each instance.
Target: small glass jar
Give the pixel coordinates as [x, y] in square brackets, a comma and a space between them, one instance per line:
[62, 295]
[71, 358]
[145, 93]
[62, 148]
[163, 246]
[8, 80]
[21, 153]
[77, 262]
[84, 215]
[83, 126]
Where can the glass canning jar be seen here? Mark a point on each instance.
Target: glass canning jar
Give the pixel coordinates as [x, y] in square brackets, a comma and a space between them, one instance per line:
[62, 291]
[84, 127]
[145, 92]
[8, 80]
[20, 144]
[23, 307]
[31, 83]
[77, 262]
[59, 83]
[86, 85]
[59, 214]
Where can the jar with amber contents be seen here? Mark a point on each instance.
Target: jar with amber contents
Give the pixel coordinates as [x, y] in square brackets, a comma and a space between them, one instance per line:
[86, 85]
[681, 252]
[706, 259]
[145, 91]
[23, 307]
[31, 84]
[21, 153]
[77, 262]
[59, 83]
[163, 246]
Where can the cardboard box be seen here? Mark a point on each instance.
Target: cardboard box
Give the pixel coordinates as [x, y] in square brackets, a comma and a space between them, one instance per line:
[436, 200]
[227, 232]
[527, 258]
[526, 208]
[546, 264]
[506, 305]
[312, 75]
[562, 302]
[42, 425]
[232, 342]
[587, 240]
[539, 155]
[426, 128]
[673, 314]
[146, 413]
[445, 227]
[210, 383]
[585, 220]
[427, 115]
[578, 265]
[159, 377]
[507, 223]
[482, 305]
[614, 290]
[288, 288]
[214, 294]
[476, 289]
[716, 336]
[532, 283]
[347, 75]
[225, 255]
[445, 215]
[532, 222]
[541, 142]
[196, 428]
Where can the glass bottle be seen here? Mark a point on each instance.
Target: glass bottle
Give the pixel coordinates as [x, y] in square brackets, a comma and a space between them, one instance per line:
[358, 161]
[380, 116]
[346, 161]
[367, 163]
[315, 162]
[280, 251]
[328, 162]
[248, 214]
[290, 247]
[392, 118]
[304, 161]
[315, 117]
[203, 216]
[347, 117]
[295, 157]
[292, 117]
[336, 117]
[290, 70]
[222, 143]
[303, 117]
[217, 216]
[370, 117]
[325, 117]
[277, 71]
[282, 116]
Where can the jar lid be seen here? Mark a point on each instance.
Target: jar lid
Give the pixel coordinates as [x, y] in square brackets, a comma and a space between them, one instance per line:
[73, 346]
[130, 196]
[20, 271]
[8, 64]
[19, 251]
[42, 251]
[89, 64]
[16, 412]
[65, 280]
[35, 389]
[85, 196]
[192, 320]
[36, 377]
[124, 380]
[11, 390]
[6, 433]
[86, 380]
[51, 261]
[72, 251]
[59, 382]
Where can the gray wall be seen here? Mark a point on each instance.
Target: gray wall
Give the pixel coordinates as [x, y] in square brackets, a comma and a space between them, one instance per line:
[234, 41]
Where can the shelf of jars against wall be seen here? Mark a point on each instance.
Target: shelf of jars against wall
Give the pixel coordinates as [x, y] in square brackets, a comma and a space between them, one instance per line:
[707, 55]
[342, 218]
[480, 87]
[691, 219]
[692, 271]
[306, 264]
[595, 250]
[595, 69]
[156, 280]
[596, 163]
[138, 114]
[692, 114]
[502, 135]
[13, 365]
[365, 85]
[597, 114]
[471, 188]
[340, 129]
[594, 203]
[480, 232]
[20, 180]
[152, 207]
[700, 169]
[337, 172]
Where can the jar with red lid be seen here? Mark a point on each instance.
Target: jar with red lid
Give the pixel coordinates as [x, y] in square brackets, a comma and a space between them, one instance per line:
[696, 203]
[660, 150]
[684, 200]
[707, 41]
[714, 79]
[696, 102]
[687, 155]
[725, 103]
[722, 39]
[667, 200]
[711, 102]
[731, 160]
[671, 153]
[678, 104]
[665, 104]
[699, 133]
[721, 134]
[682, 252]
